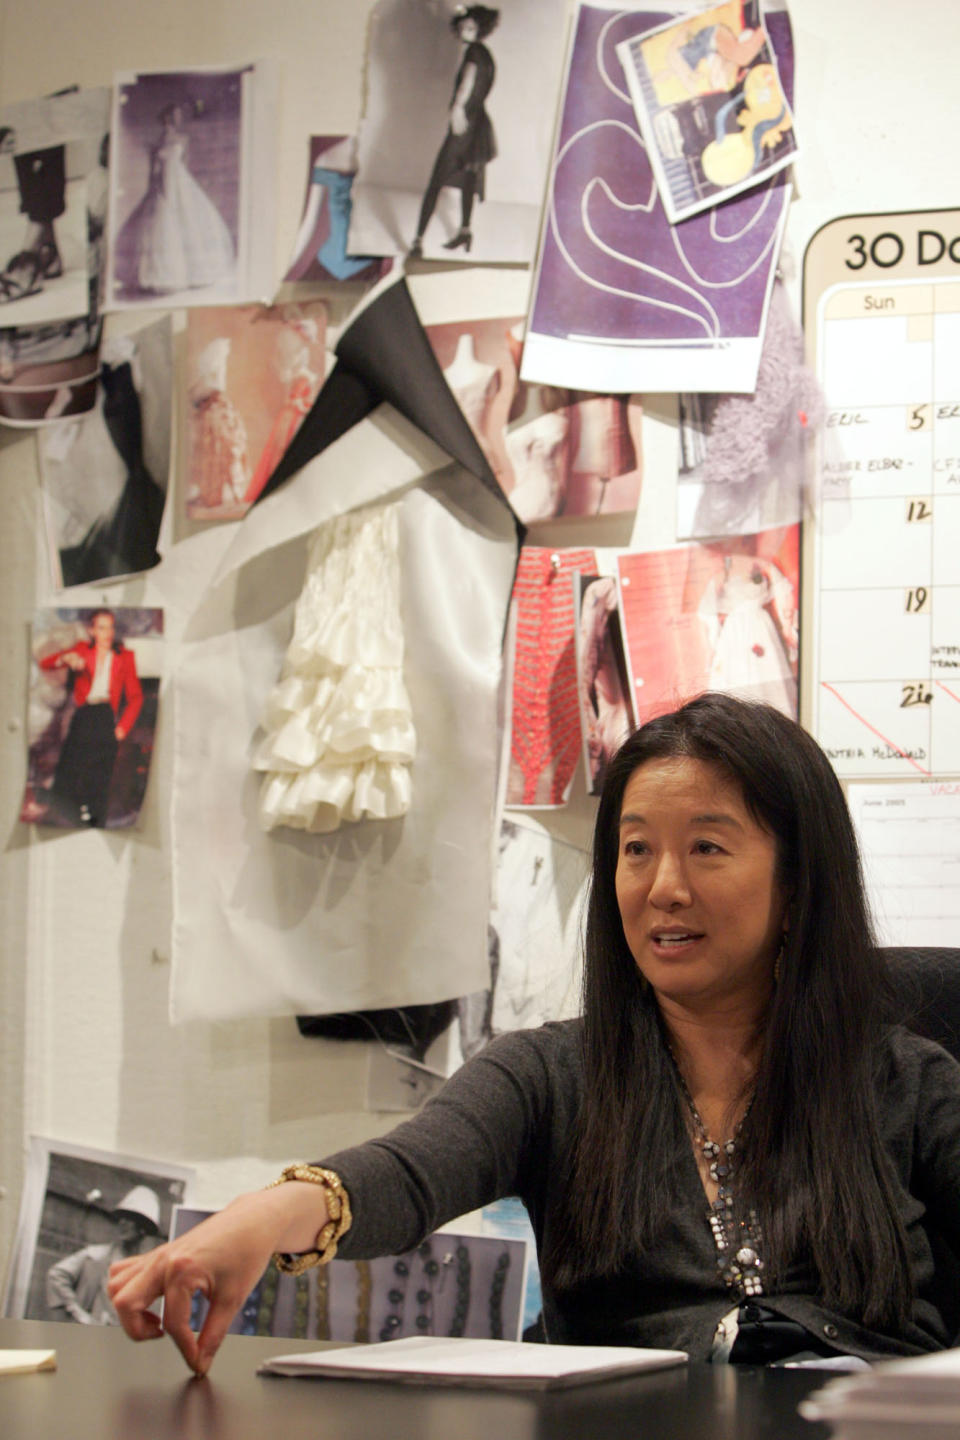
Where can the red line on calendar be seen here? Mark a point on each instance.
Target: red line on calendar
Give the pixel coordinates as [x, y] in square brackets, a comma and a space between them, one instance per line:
[946, 688]
[873, 729]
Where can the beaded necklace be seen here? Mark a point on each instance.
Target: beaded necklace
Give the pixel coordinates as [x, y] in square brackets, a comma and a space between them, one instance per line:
[738, 1239]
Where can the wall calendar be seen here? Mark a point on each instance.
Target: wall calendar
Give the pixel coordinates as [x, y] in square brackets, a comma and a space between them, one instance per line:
[882, 550]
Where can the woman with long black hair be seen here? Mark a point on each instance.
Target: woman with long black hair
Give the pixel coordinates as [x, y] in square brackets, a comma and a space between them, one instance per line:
[469, 144]
[735, 1152]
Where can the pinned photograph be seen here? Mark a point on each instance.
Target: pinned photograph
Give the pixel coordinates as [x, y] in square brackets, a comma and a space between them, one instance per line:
[714, 616]
[544, 705]
[712, 110]
[104, 475]
[553, 450]
[573, 453]
[455, 138]
[533, 937]
[252, 374]
[623, 300]
[320, 250]
[80, 1211]
[743, 459]
[53, 159]
[54, 155]
[92, 715]
[606, 715]
[185, 164]
[452, 1284]
[49, 371]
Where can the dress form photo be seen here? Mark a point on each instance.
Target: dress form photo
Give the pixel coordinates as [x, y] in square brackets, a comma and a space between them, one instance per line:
[473, 382]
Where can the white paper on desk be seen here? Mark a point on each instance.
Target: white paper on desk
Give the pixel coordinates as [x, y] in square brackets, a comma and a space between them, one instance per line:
[902, 1398]
[910, 842]
[26, 1362]
[500, 1364]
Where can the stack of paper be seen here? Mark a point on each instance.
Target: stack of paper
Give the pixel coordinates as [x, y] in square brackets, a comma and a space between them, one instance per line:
[898, 1400]
[26, 1362]
[503, 1364]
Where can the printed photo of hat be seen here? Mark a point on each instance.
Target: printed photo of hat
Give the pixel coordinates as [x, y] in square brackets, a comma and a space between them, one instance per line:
[142, 1205]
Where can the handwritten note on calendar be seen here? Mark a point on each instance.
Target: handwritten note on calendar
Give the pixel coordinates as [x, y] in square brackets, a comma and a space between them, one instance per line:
[882, 310]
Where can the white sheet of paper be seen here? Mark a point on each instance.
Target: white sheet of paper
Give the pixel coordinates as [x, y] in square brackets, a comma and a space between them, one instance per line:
[910, 840]
[919, 1396]
[440, 1360]
[332, 897]
[26, 1362]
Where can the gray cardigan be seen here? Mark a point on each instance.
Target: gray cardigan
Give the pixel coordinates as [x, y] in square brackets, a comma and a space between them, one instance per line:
[503, 1125]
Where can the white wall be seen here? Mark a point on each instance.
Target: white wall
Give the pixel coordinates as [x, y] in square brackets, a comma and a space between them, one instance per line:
[86, 1052]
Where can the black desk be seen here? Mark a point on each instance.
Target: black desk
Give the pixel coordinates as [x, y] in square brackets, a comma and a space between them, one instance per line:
[106, 1388]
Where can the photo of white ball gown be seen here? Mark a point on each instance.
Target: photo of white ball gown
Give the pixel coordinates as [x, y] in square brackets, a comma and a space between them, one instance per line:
[176, 239]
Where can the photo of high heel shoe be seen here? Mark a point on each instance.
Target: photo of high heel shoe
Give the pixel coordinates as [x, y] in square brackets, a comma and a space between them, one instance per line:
[24, 272]
[49, 263]
[44, 234]
[20, 277]
[462, 240]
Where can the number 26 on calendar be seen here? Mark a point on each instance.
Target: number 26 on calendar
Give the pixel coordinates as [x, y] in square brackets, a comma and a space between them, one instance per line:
[915, 694]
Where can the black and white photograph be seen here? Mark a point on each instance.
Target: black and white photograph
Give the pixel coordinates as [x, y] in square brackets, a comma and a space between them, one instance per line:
[104, 475]
[403, 1074]
[80, 1210]
[53, 161]
[455, 140]
[532, 938]
[451, 1284]
[533, 933]
[49, 371]
[92, 716]
[186, 168]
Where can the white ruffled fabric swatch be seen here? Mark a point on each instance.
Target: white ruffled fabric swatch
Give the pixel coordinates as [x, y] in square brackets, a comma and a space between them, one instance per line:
[340, 739]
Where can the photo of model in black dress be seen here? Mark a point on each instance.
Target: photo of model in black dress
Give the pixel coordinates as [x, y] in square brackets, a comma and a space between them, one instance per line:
[469, 144]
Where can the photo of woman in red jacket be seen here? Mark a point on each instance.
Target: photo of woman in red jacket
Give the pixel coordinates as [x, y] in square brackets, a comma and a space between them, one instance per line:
[105, 695]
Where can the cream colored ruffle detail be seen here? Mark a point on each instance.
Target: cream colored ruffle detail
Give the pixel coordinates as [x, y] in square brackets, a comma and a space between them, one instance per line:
[339, 738]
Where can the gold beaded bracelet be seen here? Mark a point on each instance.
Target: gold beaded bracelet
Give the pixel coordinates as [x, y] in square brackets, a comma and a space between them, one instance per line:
[338, 1210]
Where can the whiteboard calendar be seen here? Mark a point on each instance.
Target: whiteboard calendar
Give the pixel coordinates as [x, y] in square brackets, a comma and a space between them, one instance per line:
[882, 311]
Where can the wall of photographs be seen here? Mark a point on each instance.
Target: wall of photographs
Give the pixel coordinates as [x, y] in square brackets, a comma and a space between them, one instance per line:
[105, 929]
